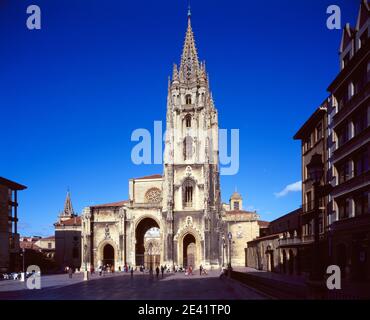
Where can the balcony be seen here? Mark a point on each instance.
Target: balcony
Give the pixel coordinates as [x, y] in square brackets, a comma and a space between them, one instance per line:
[352, 145]
[352, 184]
[309, 207]
[285, 242]
[360, 222]
[351, 105]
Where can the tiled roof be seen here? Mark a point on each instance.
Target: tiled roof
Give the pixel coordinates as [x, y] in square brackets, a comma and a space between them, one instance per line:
[48, 238]
[263, 224]
[76, 221]
[153, 176]
[28, 245]
[113, 204]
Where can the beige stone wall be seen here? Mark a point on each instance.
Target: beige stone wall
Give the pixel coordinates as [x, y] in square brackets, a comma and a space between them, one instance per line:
[139, 188]
[257, 257]
[44, 243]
[242, 232]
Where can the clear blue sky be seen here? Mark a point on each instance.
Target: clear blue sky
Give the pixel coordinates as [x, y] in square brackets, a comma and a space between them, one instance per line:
[72, 93]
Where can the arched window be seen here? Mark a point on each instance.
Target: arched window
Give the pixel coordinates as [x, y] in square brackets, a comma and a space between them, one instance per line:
[188, 147]
[236, 205]
[188, 121]
[188, 193]
[188, 99]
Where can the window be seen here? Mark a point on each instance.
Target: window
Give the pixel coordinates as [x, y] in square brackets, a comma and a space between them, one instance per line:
[351, 90]
[343, 206]
[188, 148]
[309, 204]
[188, 99]
[319, 132]
[188, 121]
[344, 172]
[188, 188]
[236, 205]
[361, 162]
[49, 245]
[342, 135]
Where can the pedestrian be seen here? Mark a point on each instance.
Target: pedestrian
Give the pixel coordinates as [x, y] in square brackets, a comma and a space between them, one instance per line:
[200, 270]
[132, 272]
[162, 270]
[70, 272]
[100, 271]
[157, 272]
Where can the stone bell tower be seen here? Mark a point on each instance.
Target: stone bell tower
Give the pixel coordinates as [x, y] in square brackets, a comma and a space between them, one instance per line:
[191, 188]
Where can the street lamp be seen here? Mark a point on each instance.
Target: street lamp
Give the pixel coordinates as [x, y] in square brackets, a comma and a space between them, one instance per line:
[23, 276]
[230, 237]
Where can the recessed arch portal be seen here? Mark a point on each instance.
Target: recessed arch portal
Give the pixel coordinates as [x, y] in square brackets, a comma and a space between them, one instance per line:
[108, 255]
[141, 229]
[189, 250]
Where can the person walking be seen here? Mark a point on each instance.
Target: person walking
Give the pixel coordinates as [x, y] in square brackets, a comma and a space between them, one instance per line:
[200, 270]
[157, 272]
[70, 272]
[162, 270]
[132, 272]
[100, 271]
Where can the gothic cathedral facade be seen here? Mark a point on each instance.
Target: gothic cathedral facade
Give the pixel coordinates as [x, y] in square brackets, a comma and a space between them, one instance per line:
[184, 203]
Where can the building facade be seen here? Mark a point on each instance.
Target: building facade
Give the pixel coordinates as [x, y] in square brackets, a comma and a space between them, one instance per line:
[349, 152]
[280, 249]
[9, 236]
[183, 203]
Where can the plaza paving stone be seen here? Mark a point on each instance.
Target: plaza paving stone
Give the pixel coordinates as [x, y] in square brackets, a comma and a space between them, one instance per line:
[120, 286]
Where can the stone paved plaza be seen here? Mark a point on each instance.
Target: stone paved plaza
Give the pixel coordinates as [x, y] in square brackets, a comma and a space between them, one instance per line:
[121, 286]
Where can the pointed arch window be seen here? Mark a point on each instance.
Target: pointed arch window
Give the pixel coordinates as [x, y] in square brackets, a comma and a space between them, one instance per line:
[188, 121]
[188, 193]
[188, 148]
[188, 99]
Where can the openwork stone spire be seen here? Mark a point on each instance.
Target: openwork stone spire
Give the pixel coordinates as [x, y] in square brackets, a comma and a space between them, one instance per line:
[68, 211]
[189, 67]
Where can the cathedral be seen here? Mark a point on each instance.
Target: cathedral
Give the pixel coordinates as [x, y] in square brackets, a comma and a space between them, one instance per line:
[181, 209]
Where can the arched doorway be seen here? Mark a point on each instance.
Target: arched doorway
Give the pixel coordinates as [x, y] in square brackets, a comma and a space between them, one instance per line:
[152, 257]
[141, 230]
[189, 251]
[108, 256]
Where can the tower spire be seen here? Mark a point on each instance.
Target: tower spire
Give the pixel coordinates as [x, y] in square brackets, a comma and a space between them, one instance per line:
[68, 211]
[189, 67]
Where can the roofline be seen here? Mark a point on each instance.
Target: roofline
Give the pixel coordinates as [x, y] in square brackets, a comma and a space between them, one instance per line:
[296, 211]
[11, 184]
[311, 120]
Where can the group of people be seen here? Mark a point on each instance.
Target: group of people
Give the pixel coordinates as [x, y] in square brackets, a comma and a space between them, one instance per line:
[102, 269]
[189, 271]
